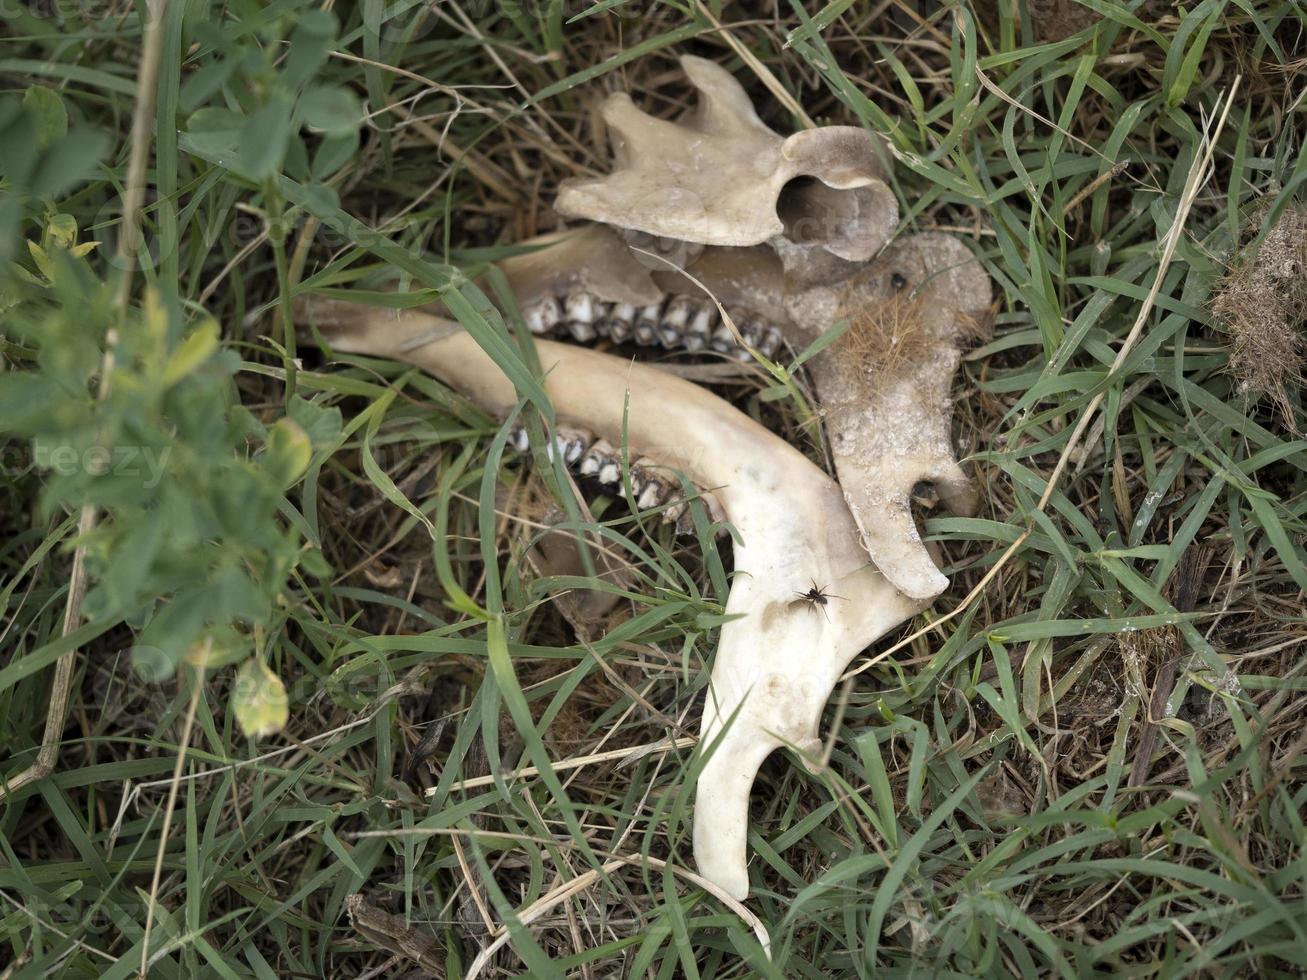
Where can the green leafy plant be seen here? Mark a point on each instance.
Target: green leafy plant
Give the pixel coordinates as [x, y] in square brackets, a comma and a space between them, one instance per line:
[191, 551]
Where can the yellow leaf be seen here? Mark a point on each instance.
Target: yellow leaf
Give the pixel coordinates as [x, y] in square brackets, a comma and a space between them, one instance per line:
[259, 699]
[289, 451]
[41, 259]
[194, 351]
[63, 230]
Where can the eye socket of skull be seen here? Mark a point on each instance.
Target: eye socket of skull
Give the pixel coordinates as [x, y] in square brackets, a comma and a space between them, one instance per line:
[850, 223]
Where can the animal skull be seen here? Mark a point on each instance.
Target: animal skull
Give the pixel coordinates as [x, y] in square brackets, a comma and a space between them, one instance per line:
[717, 175]
[788, 262]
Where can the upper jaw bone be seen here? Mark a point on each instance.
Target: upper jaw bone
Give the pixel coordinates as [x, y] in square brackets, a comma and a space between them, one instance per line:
[720, 176]
[777, 664]
[884, 385]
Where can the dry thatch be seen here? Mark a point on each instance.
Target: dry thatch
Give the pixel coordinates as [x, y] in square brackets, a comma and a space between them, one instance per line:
[1263, 305]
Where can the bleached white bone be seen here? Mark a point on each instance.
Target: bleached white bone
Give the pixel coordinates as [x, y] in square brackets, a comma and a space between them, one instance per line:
[777, 663]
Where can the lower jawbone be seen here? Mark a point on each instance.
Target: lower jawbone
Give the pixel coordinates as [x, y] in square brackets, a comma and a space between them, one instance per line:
[780, 656]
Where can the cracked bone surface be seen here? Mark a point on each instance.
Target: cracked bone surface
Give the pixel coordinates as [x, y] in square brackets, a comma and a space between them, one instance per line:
[777, 663]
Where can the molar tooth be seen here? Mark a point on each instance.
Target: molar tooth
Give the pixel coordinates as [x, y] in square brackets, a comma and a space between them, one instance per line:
[543, 316]
[699, 334]
[619, 322]
[678, 312]
[575, 442]
[652, 495]
[648, 487]
[557, 447]
[674, 320]
[581, 332]
[646, 325]
[751, 331]
[581, 310]
[596, 456]
[518, 439]
[770, 343]
[723, 340]
[610, 470]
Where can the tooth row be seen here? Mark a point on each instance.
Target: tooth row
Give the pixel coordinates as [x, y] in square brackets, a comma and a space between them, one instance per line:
[601, 461]
[677, 322]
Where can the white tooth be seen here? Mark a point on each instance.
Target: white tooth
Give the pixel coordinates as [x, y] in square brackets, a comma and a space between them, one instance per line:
[580, 306]
[619, 328]
[723, 340]
[518, 439]
[704, 321]
[651, 495]
[668, 336]
[595, 458]
[581, 331]
[770, 342]
[672, 515]
[543, 316]
[581, 311]
[575, 441]
[559, 445]
[610, 471]
[694, 341]
[677, 314]
[646, 325]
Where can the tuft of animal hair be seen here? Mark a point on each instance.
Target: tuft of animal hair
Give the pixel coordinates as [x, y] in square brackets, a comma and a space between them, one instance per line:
[1262, 303]
[885, 338]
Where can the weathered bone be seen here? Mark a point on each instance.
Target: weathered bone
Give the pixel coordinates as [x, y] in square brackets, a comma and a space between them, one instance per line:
[716, 178]
[888, 422]
[884, 385]
[720, 176]
[884, 388]
[778, 662]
